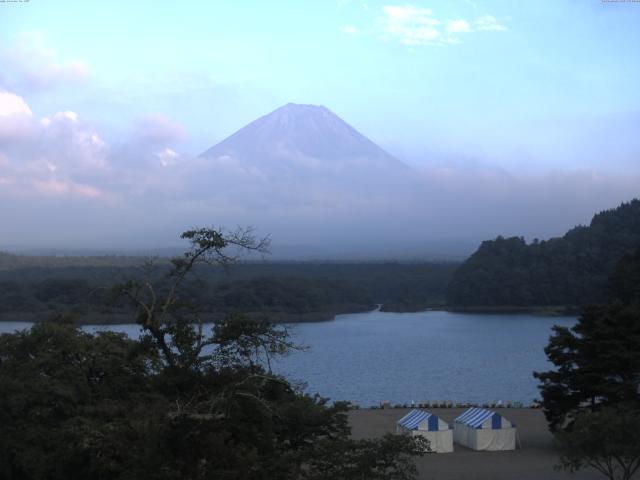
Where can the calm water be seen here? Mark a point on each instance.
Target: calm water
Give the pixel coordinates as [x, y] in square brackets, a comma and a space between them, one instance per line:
[368, 357]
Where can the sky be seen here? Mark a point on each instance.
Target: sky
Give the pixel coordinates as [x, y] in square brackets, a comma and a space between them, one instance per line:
[531, 108]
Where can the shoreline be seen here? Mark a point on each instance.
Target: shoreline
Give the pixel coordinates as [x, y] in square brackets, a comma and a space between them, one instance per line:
[543, 310]
[119, 318]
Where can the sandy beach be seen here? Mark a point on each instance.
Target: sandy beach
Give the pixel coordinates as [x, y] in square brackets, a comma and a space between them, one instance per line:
[534, 461]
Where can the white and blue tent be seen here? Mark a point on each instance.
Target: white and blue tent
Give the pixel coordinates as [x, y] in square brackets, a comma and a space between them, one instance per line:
[427, 425]
[481, 429]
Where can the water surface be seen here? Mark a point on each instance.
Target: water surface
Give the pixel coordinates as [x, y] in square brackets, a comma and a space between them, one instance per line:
[400, 357]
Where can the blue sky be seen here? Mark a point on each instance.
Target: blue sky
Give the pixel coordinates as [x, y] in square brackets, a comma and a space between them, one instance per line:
[492, 95]
[528, 88]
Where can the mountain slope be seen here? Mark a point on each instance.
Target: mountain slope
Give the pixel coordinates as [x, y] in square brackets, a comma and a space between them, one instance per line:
[571, 270]
[302, 140]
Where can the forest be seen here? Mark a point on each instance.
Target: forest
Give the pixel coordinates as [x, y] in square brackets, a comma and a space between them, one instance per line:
[284, 291]
[572, 270]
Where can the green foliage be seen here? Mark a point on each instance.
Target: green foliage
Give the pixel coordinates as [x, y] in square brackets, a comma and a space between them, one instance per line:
[240, 339]
[598, 363]
[607, 440]
[180, 403]
[365, 459]
[625, 280]
[572, 270]
[75, 405]
[64, 393]
[592, 399]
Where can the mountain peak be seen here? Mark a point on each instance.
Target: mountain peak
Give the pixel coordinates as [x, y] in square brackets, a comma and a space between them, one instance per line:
[299, 112]
[301, 106]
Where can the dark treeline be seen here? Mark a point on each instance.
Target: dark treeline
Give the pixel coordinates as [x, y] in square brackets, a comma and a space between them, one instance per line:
[569, 271]
[292, 291]
[10, 261]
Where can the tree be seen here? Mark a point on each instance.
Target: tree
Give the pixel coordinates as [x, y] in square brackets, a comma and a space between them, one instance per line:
[607, 440]
[624, 283]
[569, 271]
[180, 402]
[592, 400]
[598, 364]
[66, 395]
[160, 309]
[365, 459]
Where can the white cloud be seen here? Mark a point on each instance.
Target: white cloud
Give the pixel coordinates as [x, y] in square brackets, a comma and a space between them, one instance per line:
[15, 117]
[11, 104]
[168, 157]
[58, 155]
[350, 29]
[418, 26]
[72, 143]
[411, 25]
[488, 23]
[458, 26]
[62, 116]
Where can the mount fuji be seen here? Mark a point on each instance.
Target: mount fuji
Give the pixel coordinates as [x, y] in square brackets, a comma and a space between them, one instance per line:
[295, 142]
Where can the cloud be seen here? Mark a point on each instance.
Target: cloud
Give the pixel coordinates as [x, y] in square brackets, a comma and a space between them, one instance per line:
[489, 23]
[149, 155]
[415, 26]
[60, 172]
[11, 104]
[350, 29]
[157, 128]
[65, 187]
[15, 117]
[53, 155]
[29, 65]
[168, 157]
[63, 156]
[458, 26]
[411, 25]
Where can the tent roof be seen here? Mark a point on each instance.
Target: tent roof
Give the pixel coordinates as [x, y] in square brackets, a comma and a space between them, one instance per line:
[475, 417]
[415, 417]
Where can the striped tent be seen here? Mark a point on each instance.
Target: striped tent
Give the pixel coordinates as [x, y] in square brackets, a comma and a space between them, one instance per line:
[427, 425]
[481, 429]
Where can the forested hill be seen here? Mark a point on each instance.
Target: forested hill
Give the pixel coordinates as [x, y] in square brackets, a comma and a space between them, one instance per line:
[285, 291]
[570, 271]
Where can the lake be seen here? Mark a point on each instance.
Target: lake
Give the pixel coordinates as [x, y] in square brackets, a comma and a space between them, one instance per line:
[400, 357]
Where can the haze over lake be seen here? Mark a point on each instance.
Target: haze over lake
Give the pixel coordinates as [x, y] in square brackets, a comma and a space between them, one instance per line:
[432, 355]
